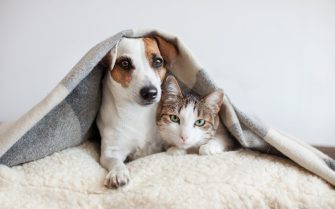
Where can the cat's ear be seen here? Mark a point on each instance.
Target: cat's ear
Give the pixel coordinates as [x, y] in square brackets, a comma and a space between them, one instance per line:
[171, 86]
[214, 100]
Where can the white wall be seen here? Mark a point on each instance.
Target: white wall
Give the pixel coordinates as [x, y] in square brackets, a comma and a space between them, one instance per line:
[276, 59]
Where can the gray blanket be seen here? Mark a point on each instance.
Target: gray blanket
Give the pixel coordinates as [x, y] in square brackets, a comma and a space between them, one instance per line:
[66, 117]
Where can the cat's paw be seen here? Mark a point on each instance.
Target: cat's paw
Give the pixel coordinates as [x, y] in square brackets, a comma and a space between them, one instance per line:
[176, 151]
[210, 149]
[117, 177]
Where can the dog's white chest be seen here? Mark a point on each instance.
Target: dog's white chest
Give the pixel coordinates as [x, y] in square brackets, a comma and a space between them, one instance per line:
[139, 126]
[133, 129]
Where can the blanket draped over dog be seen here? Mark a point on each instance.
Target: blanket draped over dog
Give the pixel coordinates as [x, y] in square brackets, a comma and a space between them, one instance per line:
[66, 117]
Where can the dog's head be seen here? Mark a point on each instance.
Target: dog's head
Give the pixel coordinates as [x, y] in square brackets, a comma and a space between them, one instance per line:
[138, 66]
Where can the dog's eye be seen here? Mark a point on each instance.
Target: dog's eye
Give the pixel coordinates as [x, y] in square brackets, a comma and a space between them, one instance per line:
[157, 62]
[125, 64]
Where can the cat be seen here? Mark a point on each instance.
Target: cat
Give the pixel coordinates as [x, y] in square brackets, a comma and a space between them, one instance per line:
[188, 123]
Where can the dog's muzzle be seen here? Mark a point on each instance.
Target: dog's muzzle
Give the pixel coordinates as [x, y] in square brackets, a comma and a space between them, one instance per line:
[148, 94]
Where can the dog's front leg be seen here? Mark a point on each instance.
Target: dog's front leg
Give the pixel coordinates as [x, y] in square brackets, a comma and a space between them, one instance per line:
[112, 159]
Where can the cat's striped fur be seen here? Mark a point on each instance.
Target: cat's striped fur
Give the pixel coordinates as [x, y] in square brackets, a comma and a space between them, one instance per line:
[190, 122]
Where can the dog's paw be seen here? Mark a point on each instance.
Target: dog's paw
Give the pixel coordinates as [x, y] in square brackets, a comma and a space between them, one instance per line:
[176, 151]
[210, 149]
[117, 177]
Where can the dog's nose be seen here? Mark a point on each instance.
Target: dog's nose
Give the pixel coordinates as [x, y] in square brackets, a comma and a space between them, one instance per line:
[149, 93]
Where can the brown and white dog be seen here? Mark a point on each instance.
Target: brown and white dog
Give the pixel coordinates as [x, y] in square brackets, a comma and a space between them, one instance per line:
[131, 91]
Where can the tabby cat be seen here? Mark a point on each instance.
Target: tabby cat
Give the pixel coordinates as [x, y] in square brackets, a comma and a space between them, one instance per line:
[189, 123]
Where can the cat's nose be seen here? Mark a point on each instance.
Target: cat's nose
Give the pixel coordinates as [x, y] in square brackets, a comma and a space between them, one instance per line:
[183, 138]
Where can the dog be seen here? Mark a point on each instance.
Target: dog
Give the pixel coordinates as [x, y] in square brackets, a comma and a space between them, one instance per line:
[130, 95]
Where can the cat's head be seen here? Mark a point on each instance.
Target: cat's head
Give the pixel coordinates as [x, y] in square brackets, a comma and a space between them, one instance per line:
[186, 120]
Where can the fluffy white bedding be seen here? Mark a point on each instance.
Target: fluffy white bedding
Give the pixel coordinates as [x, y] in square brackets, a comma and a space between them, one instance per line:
[238, 179]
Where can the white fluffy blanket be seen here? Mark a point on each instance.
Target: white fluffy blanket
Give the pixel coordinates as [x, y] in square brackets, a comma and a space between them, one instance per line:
[238, 179]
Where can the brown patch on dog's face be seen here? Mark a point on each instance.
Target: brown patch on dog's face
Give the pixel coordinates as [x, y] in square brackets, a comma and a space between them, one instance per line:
[158, 52]
[161, 73]
[121, 76]
[168, 50]
[153, 55]
[122, 71]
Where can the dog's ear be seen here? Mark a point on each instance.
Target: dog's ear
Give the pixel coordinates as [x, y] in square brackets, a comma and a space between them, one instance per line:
[108, 60]
[168, 50]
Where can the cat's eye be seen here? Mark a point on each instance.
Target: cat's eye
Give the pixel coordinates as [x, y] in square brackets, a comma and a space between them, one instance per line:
[157, 62]
[199, 122]
[174, 118]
